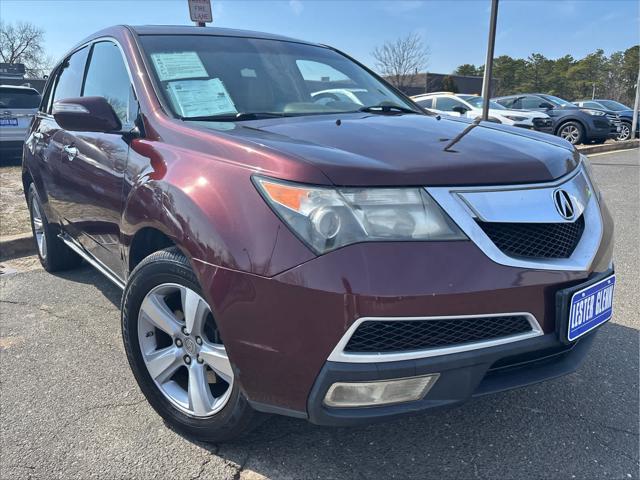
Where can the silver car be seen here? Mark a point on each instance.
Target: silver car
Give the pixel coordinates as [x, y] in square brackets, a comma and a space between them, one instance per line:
[18, 105]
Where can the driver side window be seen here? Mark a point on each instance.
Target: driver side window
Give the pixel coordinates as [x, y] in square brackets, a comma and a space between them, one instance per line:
[447, 104]
[107, 77]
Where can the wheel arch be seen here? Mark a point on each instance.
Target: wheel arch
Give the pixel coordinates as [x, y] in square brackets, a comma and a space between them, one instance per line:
[145, 241]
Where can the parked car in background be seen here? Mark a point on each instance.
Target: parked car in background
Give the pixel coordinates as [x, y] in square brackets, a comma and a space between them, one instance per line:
[18, 105]
[340, 263]
[470, 106]
[358, 96]
[625, 113]
[574, 124]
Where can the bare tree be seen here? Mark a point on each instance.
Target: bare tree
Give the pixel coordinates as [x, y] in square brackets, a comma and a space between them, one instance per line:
[23, 43]
[401, 59]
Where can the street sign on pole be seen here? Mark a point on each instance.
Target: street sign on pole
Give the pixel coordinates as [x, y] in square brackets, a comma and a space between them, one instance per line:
[488, 64]
[200, 11]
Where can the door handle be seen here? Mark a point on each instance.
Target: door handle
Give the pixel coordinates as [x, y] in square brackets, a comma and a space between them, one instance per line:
[71, 151]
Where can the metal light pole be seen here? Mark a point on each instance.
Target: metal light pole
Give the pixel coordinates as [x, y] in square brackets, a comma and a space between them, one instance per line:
[634, 122]
[488, 64]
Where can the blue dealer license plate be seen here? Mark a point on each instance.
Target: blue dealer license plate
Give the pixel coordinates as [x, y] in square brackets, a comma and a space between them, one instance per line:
[590, 307]
[8, 122]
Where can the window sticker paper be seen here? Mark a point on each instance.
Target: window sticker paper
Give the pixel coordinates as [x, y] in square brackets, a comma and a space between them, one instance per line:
[178, 65]
[198, 98]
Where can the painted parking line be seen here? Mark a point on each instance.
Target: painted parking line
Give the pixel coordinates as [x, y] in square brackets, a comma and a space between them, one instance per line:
[611, 152]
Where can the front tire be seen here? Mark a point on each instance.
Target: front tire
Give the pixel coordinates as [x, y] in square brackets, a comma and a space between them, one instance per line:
[572, 131]
[625, 132]
[176, 353]
[54, 255]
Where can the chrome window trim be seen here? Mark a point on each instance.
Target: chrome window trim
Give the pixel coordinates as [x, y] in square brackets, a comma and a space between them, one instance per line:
[452, 201]
[339, 355]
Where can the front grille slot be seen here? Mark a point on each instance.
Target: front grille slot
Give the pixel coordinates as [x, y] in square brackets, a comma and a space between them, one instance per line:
[535, 240]
[385, 336]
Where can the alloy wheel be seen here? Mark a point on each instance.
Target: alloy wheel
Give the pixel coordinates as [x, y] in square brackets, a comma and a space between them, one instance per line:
[38, 228]
[182, 350]
[570, 133]
[624, 133]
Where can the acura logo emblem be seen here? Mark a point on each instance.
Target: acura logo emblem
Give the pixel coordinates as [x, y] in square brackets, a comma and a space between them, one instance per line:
[563, 203]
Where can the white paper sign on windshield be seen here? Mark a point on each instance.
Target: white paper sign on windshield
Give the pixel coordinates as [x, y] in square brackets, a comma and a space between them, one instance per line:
[197, 98]
[177, 65]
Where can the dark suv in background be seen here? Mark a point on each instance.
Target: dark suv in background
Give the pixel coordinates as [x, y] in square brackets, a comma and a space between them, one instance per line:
[624, 112]
[326, 260]
[574, 124]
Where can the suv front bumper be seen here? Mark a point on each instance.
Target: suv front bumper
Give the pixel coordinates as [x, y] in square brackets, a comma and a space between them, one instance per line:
[280, 332]
[462, 376]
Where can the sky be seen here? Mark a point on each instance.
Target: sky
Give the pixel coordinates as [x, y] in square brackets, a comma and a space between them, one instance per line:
[454, 31]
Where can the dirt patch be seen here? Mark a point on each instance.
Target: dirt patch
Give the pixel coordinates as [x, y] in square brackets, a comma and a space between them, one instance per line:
[14, 215]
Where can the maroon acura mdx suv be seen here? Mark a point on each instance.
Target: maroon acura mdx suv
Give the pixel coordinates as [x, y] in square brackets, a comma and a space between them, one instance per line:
[295, 236]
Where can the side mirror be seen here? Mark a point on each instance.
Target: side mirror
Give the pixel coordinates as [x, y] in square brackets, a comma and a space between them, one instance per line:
[546, 105]
[86, 114]
[460, 109]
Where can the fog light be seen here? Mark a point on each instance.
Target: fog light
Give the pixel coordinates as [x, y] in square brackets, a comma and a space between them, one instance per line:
[383, 392]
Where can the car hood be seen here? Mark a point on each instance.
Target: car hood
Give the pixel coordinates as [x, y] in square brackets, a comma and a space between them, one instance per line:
[370, 149]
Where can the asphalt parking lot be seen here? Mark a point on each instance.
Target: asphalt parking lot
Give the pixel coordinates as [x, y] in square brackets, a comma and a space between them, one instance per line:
[70, 408]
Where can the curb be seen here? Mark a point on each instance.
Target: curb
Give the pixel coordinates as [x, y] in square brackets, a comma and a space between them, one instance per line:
[16, 245]
[609, 147]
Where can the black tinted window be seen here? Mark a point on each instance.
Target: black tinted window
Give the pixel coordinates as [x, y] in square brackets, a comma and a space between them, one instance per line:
[19, 98]
[107, 77]
[70, 76]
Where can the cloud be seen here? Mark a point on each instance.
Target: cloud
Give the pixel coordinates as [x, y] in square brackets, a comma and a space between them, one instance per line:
[296, 6]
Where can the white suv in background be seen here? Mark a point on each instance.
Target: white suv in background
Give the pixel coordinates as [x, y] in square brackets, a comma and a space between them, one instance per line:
[18, 105]
[463, 105]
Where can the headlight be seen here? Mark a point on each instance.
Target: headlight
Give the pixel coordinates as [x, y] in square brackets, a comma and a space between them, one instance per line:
[595, 113]
[589, 169]
[329, 218]
[515, 118]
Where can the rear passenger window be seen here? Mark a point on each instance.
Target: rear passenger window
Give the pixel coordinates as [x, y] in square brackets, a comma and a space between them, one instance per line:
[70, 76]
[509, 102]
[427, 103]
[107, 77]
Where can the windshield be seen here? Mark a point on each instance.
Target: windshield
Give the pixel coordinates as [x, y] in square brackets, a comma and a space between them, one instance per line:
[612, 105]
[477, 102]
[558, 101]
[239, 78]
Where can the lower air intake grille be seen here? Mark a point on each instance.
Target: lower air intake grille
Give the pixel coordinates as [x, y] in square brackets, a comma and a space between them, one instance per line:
[406, 335]
[535, 240]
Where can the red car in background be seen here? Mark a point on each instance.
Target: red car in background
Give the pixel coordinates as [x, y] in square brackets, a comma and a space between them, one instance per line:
[319, 258]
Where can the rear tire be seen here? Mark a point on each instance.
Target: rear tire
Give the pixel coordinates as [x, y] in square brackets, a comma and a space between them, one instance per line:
[54, 255]
[571, 131]
[194, 391]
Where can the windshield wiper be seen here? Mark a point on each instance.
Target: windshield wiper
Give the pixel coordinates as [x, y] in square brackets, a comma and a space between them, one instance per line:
[235, 117]
[384, 108]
